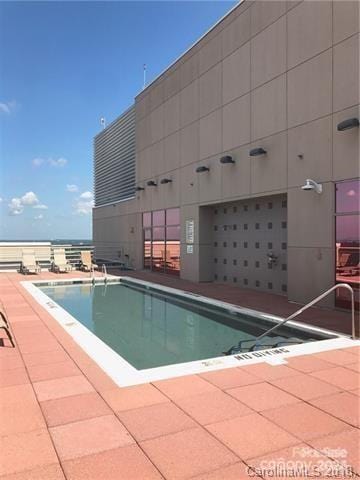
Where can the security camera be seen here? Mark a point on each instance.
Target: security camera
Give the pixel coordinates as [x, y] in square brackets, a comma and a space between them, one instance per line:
[312, 185]
[308, 186]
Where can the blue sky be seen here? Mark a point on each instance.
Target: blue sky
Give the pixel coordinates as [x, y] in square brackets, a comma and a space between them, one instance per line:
[63, 65]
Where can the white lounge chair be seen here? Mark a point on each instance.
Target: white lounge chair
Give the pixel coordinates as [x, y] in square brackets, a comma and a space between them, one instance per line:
[29, 263]
[60, 264]
[86, 263]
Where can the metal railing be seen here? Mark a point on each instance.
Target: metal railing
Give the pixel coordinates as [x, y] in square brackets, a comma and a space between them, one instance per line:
[103, 271]
[313, 302]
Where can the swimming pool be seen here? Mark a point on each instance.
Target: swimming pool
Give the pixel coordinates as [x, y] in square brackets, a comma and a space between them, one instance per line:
[137, 330]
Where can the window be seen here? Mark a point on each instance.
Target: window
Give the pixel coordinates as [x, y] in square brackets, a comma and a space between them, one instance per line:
[347, 228]
[162, 240]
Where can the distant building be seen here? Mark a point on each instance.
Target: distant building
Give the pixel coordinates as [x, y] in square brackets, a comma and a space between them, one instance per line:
[202, 177]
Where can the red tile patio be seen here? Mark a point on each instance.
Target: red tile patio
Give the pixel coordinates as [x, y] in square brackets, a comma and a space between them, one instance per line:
[63, 418]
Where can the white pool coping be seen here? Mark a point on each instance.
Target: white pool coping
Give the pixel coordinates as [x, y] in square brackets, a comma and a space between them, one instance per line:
[124, 374]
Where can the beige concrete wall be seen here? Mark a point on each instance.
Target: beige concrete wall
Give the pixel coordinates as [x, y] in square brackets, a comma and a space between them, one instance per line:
[276, 74]
[117, 233]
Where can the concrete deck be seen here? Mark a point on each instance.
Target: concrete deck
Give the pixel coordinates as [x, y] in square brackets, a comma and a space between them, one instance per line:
[62, 417]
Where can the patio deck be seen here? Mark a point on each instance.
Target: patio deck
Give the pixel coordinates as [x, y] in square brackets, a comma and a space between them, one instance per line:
[62, 417]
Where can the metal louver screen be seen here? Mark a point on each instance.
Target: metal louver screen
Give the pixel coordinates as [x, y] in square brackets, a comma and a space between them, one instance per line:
[114, 160]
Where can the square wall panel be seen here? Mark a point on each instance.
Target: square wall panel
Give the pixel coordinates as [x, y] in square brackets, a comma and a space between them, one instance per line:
[189, 185]
[143, 134]
[265, 12]
[315, 273]
[268, 108]
[345, 19]
[172, 115]
[236, 33]
[155, 159]
[309, 30]
[311, 217]
[189, 70]
[142, 106]
[236, 125]
[309, 152]
[211, 134]
[310, 90]
[172, 152]
[346, 90]
[236, 74]
[269, 172]
[236, 177]
[169, 193]
[268, 53]
[172, 84]
[142, 170]
[189, 144]
[156, 95]
[157, 124]
[209, 54]
[210, 182]
[210, 90]
[189, 104]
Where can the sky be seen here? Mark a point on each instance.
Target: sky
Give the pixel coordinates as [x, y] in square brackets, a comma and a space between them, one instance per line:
[64, 65]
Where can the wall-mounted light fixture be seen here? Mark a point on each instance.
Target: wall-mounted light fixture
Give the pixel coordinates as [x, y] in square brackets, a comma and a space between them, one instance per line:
[138, 189]
[202, 169]
[312, 185]
[256, 152]
[347, 124]
[165, 180]
[151, 183]
[227, 159]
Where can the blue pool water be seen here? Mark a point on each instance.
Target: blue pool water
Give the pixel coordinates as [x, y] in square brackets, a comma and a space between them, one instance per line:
[151, 329]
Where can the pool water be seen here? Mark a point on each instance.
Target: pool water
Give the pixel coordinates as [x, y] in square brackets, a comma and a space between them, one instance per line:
[151, 329]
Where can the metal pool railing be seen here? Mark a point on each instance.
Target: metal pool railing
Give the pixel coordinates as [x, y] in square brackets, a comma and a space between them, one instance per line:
[313, 302]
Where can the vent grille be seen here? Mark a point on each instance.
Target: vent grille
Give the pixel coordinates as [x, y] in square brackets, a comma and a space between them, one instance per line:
[114, 161]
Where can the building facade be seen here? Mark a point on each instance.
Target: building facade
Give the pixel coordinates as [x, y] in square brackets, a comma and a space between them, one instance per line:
[224, 141]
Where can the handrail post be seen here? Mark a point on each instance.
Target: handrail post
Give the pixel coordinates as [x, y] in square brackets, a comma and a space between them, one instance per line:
[104, 272]
[353, 333]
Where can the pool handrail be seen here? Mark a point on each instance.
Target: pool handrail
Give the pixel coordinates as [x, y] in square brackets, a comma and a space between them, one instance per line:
[313, 302]
[104, 272]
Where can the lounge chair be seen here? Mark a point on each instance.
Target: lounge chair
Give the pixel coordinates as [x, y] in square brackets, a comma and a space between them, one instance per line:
[86, 263]
[4, 324]
[60, 264]
[29, 263]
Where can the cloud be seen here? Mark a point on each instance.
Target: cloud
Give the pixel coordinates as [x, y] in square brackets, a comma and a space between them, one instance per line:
[1, 200]
[53, 162]
[39, 217]
[30, 198]
[84, 204]
[72, 188]
[37, 162]
[58, 162]
[41, 206]
[15, 206]
[87, 196]
[8, 107]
